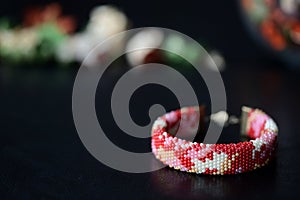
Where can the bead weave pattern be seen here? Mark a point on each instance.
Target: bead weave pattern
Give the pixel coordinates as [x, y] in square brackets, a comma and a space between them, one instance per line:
[213, 159]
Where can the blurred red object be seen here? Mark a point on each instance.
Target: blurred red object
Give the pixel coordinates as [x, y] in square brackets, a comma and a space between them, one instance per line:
[272, 34]
[52, 13]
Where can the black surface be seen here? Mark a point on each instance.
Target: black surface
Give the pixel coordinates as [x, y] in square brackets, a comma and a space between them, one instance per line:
[42, 157]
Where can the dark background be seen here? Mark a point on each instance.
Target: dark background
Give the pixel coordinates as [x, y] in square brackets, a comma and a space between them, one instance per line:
[42, 157]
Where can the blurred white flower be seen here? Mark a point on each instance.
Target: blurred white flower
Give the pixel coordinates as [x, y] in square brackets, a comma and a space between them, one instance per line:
[139, 42]
[74, 48]
[218, 59]
[21, 41]
[155, 38]
[104, 22]
[289, 6]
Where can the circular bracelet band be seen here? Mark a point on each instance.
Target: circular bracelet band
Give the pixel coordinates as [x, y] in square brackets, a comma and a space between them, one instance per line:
[214, 159]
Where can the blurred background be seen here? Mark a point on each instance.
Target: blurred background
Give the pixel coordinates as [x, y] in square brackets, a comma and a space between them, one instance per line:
[241, 30]
[220, 25]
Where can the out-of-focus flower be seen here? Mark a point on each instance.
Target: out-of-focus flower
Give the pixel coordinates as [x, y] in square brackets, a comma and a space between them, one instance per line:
[273, 35]
[289, 6]
[259, 11]
[51, 13]
[45, 35]
[19, 44]
[140, 42]
[30, 44]
[74, 48]
[44, 28]
[50, 37]
[276, 20]
[218, 60]
[157, 40]
[295, 33]
[104, 22]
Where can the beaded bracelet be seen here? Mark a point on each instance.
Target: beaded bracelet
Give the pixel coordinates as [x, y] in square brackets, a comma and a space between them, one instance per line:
[214, 159]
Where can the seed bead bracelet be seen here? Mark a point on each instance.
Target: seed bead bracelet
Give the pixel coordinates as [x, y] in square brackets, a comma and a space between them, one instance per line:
[214, 159]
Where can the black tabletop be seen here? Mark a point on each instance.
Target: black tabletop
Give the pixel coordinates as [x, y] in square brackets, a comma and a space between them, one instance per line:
[42, 157]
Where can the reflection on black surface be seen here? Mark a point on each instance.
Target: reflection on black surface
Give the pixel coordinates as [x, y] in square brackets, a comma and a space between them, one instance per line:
[179, 184]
